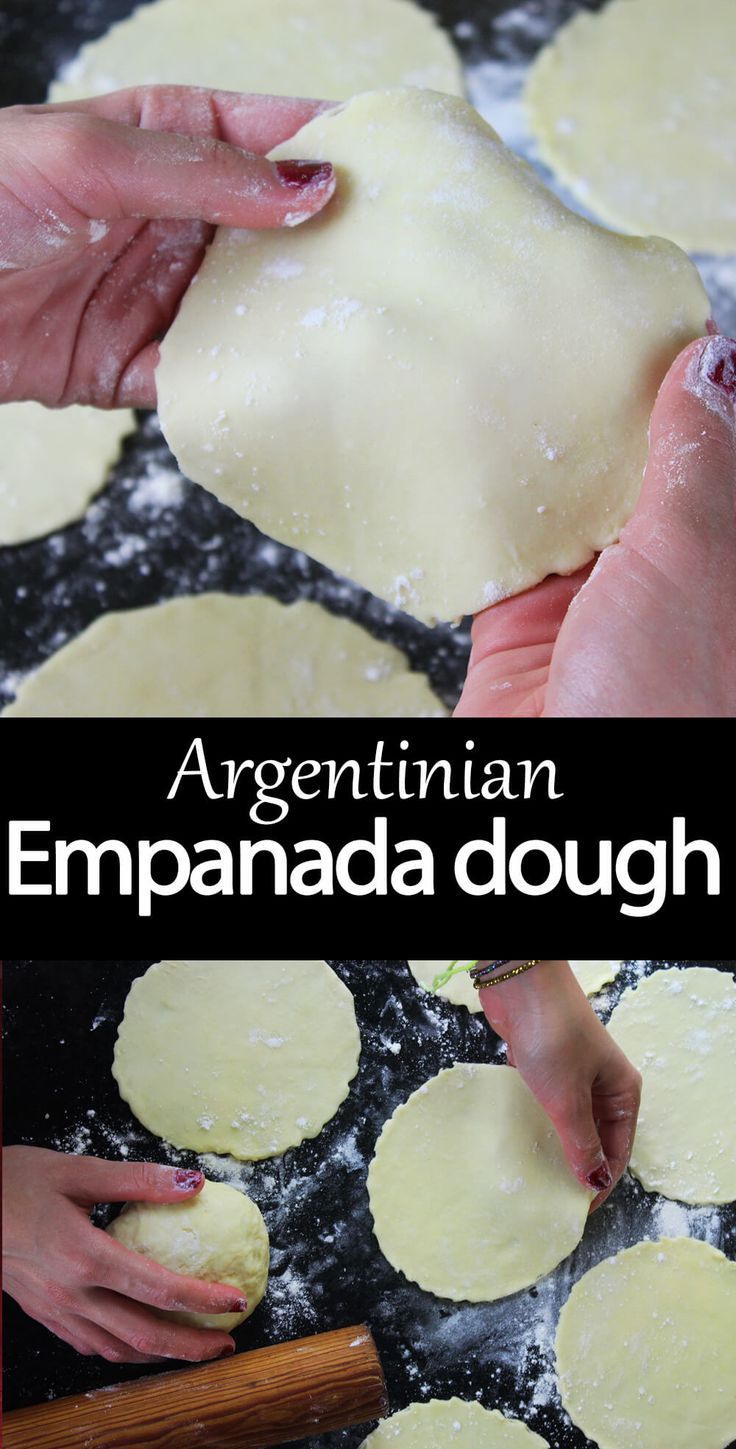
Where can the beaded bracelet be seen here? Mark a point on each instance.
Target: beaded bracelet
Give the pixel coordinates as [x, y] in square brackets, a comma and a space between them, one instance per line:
[483, 975]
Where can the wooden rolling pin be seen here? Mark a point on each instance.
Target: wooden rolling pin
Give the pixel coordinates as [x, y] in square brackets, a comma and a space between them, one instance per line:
[265, 1397]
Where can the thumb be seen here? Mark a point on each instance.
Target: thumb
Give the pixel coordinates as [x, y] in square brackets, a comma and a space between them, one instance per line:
[110, 170]
[94, 1180]
[573, 1119]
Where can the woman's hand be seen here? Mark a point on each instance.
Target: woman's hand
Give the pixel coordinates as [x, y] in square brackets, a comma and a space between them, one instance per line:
[106, 207]
[587, 1087]
[650, 629]
[83, 1285]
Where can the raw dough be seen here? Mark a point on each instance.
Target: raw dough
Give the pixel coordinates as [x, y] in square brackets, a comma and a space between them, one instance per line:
[635, 110]
[219, 1236]
[220, 654]
[459, 989]
[646, 1348]
[470, 1194]
[52, 462]
[245, 1057]
[440, 1422]
[327, 48]
[679, 1029]
[592, 975]
[440, 386]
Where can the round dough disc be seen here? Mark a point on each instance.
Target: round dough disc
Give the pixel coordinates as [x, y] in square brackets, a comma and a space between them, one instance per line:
[222, 654]
[445, 318]
[646, 1348]
[52, 462]
[440, 1422]
[592, 975]
[459, 989]
[679, 1028]
[470, 1194]
[219, 1236]
[635, 110]
[244, 1057]
[324, 48]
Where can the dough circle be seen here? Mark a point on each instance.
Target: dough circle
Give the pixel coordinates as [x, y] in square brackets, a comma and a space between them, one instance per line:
[469, 367]
[592, 975]
[470, 1193]
[222, 654]
[679, 1028]
[324, 48]
[440, 1422]
[52, 462]
[243, 1057]
[646, 1348]
[219, 1236]
[459, 989]
[634, 109]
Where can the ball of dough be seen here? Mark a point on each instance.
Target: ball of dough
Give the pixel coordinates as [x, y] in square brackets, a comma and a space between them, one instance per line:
[441, 1422]
[470, 1193]
[646, 1348]
[219, 1236]
[245, 1057]
[441, 385]
[679, 1028]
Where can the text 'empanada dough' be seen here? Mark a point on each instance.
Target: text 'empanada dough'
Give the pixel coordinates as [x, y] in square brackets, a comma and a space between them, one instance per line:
[218, 1236]
[324, 48]
[470, 1193]
[646, 1348]
[243, 1057]
[679, 1028]
[441, 1422]
[52, 462]
[634, 108]
[222, 654]
[441, 385]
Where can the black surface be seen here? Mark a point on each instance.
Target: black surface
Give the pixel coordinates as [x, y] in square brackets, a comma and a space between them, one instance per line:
[52, 588]
[60, 1026]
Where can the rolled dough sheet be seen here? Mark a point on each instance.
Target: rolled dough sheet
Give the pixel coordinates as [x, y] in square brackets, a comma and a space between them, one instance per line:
[243, 1057]
[470, 1194]
[459, 989]
[218, 1236]
[679, 1028]
[592, 975]
[646, 1348]
[323, 48]
[52, 462]
[634, 109]
[467, 367]
[222, 654]
[441, 1422]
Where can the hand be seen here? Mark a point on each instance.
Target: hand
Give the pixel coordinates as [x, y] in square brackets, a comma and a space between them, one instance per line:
[650, 630]
[83, 1285]
[588, 1088]
[106, 207]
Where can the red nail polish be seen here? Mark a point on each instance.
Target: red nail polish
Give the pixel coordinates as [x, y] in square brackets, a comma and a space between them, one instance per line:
[239, 1305]
[186, 1181]
[600, 1179]
[226, 1352]
[301, 174]
[718, 365]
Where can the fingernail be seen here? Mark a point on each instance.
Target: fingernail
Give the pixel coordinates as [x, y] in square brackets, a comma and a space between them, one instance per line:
[226, 1352]
[239, 1305]
[303, 174]
[186, 1181]
[601, 1179]
[716, 375]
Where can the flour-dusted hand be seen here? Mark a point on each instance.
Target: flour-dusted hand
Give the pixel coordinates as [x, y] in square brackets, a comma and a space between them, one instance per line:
[650, 629]
[588, 1088]
[106, 207]
[83, 1285]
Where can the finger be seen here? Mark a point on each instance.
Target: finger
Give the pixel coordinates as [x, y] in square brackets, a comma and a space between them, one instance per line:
[572, 1116]
[93, 1180]
[89, 1339]
[147, 1333]
[137, 384]
[134, 1276]
[254, 123]
[109, 171]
